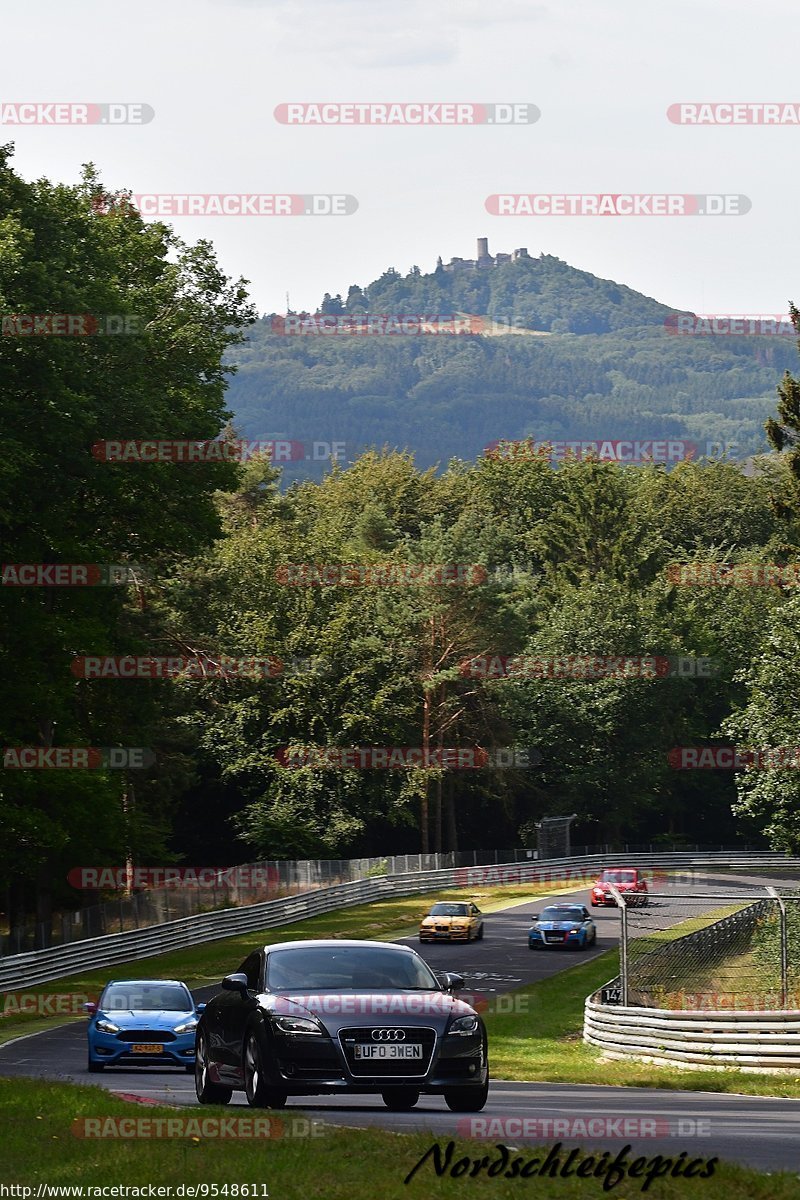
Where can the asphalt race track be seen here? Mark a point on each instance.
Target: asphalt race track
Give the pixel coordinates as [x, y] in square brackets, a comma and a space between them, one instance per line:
[762, 1132]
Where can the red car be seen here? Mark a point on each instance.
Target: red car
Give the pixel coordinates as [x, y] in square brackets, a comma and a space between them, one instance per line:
[627, 879]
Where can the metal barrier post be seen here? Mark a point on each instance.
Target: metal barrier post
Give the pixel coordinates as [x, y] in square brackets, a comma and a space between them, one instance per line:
[623, 946]
[784, 947]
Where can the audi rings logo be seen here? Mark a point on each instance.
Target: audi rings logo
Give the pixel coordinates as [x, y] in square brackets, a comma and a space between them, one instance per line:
[388, 1035]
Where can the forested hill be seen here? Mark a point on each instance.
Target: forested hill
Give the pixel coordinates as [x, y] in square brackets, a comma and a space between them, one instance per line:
[542, 293]
[602, 366]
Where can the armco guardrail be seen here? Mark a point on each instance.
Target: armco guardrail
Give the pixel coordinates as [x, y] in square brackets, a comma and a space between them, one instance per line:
[750, 1041]
[26, 970]
[39, 966]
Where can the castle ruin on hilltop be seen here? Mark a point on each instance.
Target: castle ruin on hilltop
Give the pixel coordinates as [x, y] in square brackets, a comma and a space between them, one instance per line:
[484, 259]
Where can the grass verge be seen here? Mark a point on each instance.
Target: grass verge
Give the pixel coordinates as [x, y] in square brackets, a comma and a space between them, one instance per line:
[39, 1146]
[544, 1043]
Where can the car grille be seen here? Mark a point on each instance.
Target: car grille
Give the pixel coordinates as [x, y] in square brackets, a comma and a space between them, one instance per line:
[388, 1068]
[143, 1036]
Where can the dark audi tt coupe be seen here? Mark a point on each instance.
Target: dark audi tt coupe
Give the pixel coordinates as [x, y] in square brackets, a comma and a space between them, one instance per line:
[321, 1017]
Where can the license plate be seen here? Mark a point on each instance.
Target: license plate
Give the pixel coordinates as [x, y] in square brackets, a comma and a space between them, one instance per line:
[392, 1051]
[144, 1048]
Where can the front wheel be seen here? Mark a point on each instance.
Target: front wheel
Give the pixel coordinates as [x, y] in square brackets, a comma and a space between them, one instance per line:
[94, 1068]
[259, 1093]
[400, 1099]
[467, 1099]
[480, 933]
[206, 1091]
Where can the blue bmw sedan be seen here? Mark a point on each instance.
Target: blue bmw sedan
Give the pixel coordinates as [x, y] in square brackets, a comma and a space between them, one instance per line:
[562, 925]
[143, 1022]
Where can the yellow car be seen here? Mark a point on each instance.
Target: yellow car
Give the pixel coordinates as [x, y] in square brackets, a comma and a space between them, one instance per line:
[452, 921]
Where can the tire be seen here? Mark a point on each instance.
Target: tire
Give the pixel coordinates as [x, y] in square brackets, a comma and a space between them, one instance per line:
[94, 1068]
[259, 1093]
[480, 932]
[466, 1099]
[400, 1099]
[206, 1091]
[189, 1068]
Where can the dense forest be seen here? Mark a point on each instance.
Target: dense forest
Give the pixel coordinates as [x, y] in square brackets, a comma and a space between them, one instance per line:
[600, 361]
[374, 589]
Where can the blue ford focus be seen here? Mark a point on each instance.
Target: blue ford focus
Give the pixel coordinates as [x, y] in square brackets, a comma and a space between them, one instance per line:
[143, 1022]
[562, 925]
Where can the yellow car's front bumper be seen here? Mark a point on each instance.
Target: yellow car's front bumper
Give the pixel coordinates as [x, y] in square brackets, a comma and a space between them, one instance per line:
[430, 934]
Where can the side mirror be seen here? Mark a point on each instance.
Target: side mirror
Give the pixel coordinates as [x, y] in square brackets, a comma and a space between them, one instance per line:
[198, 1008]
[235, 983]
[533, 917]
[90, 1007]
[453, 982]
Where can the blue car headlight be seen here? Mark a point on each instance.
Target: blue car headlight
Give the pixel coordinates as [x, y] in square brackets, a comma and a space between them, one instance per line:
[187, 1026]
[106, 1026]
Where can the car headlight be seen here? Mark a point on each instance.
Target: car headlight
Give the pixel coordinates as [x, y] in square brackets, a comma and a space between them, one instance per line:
[187, 1026]
[107, 1026]
[463, 1026]
[576, 930]
[298, 1025]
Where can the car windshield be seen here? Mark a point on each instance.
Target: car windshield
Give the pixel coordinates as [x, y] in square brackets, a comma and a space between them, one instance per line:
[148, 997]
[348, 968]
[561, 914]
[450, 910]
[618, 876]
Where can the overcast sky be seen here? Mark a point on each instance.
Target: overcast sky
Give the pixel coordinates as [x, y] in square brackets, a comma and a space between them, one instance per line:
[602, 74]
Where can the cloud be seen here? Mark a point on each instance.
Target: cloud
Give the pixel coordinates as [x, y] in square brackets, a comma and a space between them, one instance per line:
[358, 33]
